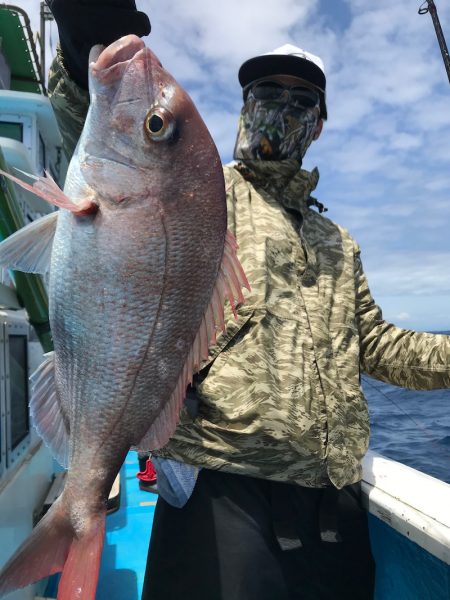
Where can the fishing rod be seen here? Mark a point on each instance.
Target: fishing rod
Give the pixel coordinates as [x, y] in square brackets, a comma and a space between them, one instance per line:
[429, 6]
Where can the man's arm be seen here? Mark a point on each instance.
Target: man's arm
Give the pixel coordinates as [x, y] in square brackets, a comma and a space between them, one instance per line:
[70, 103]
[419, 361]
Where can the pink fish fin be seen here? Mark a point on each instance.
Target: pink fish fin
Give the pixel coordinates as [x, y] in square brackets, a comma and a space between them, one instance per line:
[50, 416]
[229, 283]
[54, 546]
[48, 189]
[42, 554]
[80, 575]
[230, 280]
[29, 249]
[230, 253]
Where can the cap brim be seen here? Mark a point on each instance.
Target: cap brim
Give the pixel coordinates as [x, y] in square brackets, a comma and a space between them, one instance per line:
[280, 64]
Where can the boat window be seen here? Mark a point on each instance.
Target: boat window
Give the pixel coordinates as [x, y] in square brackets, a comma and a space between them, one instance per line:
[13, 131]
[2, 434]
[15, 423]
[18, 379]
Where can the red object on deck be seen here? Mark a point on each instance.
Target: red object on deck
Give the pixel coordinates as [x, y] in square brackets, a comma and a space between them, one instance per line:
[149, 474]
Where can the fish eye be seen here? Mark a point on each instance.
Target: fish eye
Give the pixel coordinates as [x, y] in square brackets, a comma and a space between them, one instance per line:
[159, 124]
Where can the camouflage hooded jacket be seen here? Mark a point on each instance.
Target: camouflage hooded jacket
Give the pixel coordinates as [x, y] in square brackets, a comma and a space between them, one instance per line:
[280, 395]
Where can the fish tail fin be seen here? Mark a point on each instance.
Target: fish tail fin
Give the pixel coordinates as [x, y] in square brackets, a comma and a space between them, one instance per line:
[53, 547]
[80, 574]
[42, 554]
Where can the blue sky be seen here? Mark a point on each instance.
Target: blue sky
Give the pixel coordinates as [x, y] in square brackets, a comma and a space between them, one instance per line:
[384, 154]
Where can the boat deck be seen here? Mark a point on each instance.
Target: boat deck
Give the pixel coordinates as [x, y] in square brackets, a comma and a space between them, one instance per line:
[405, 571]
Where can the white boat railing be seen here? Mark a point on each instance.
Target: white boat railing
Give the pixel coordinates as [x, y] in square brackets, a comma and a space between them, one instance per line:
[413, 503]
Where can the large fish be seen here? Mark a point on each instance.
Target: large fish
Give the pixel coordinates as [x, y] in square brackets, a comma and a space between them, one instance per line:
[141, 262]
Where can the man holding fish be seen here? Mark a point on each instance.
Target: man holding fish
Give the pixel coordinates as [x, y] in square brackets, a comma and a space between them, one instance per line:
[259, 484]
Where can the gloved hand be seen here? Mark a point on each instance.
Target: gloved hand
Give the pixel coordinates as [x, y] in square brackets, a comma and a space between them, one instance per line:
[84, 23]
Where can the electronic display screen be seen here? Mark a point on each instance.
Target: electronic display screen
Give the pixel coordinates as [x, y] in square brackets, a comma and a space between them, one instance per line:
[18, 378]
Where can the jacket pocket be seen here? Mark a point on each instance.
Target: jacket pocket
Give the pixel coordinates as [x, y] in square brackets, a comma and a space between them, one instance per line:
[225, 341]
[285, 263]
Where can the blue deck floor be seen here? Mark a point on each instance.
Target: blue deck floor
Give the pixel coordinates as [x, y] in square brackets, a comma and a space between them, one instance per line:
[126, 543]
[127, 536]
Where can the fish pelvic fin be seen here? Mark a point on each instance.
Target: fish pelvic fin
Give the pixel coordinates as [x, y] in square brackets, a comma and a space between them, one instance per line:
[54, 546]
[50, 415]
[47, 189]
[229, 283]
[29, 249]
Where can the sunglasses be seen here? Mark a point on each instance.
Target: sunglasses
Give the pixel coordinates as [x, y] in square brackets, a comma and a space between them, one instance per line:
[301, 97]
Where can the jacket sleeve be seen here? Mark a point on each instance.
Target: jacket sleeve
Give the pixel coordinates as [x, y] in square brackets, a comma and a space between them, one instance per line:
[410, 359]
[70, 104]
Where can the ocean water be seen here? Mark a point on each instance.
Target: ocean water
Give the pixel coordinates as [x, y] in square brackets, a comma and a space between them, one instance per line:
[410, 427]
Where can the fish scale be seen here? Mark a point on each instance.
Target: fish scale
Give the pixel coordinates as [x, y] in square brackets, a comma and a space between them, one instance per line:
[141, 263]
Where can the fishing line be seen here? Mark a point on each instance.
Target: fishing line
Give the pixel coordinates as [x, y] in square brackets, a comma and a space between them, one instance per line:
[425, 430]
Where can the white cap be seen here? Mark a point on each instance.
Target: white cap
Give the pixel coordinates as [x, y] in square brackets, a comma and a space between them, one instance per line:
[287, 60]
[290, 50]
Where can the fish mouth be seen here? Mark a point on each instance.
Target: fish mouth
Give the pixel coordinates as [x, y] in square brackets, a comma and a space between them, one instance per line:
[123, 50]
[92, 160]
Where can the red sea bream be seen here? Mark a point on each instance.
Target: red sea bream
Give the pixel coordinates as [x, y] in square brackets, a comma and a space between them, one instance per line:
[140, 263]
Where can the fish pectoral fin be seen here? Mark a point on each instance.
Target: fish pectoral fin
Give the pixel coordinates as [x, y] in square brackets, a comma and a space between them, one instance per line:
[50, 416]
[47, 189]
[29, 249]
[229, 283]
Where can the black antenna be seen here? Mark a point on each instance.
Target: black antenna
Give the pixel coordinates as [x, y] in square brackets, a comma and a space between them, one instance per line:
[429, 6]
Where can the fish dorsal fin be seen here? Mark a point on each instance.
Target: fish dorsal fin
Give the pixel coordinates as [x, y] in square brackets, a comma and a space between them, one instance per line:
[230, 281]
[48, 412]
[29, 249]
[48, 189]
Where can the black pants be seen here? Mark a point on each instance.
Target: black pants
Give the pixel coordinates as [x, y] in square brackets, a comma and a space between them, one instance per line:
[223, 544]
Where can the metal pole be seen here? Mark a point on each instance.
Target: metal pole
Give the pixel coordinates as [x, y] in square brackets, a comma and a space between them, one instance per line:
[42, 41]
[431, 8]
[46, 15]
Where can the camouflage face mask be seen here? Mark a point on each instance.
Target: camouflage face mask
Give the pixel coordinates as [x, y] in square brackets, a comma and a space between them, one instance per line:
[274, 130]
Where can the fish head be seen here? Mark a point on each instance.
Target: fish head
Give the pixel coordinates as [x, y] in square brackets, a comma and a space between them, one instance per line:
[141, 124]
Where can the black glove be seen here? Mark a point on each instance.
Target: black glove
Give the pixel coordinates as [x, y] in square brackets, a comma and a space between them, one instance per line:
[84, 23]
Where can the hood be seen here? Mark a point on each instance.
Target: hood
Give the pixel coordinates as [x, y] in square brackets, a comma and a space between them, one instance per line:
[283, 179]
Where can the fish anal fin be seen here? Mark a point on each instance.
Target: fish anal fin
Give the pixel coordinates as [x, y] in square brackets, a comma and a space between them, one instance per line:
[230, 279]
[48, 189]
[48, 412]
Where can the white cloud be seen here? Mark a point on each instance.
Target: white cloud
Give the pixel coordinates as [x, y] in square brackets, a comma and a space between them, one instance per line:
[384, 154]
[405, 141]
[224, 36]
[415, 274]
[403, 316]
